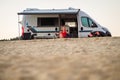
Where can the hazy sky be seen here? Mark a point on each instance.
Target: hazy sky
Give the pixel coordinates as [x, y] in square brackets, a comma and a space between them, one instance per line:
[105, 12]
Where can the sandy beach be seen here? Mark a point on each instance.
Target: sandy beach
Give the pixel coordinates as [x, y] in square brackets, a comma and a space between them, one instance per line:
[60, 59]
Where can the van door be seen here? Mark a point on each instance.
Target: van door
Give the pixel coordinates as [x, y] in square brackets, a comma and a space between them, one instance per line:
[87, 26]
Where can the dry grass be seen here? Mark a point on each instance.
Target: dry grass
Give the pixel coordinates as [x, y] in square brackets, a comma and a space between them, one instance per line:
[60, 59]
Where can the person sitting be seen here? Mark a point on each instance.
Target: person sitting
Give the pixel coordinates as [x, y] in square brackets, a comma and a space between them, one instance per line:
[63, 32]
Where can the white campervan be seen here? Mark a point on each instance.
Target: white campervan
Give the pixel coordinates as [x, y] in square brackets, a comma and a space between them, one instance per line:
[47, 23]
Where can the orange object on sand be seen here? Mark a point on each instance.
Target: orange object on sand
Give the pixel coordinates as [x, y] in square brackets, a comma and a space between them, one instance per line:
[90, 35]
[22, 31]
[97, 33]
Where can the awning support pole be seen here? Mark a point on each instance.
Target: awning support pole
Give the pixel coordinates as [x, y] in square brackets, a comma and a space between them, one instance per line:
[18, 27]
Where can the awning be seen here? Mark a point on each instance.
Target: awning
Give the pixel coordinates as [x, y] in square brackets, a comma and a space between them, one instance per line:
[48, 11]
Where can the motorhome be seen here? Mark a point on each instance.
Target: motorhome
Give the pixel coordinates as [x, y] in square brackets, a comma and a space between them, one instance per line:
[47, 23]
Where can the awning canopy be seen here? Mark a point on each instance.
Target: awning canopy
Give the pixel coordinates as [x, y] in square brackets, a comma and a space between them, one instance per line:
[31, 11]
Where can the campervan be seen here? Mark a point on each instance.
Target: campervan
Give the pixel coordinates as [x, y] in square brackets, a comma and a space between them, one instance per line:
[47, 23]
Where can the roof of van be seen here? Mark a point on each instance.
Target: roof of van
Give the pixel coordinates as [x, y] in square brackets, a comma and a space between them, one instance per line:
[33, 11]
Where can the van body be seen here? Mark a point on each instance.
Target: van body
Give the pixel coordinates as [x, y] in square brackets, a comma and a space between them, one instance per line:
[47, 23]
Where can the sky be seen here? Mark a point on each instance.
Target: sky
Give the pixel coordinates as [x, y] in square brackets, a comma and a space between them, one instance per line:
[105, 12]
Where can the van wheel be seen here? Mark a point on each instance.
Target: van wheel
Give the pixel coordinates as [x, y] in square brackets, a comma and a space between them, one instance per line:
[108, 34]
[101, 34]
[26, 36]
[32, 36]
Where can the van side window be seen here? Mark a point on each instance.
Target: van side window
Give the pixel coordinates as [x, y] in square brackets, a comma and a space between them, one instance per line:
[87, 22]
[47, 22]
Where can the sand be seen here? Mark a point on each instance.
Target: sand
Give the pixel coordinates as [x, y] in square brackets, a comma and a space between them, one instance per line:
[60, 59]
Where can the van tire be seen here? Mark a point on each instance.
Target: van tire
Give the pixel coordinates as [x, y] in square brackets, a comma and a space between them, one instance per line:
[108, 34]
[32, 36]
[26, 36]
